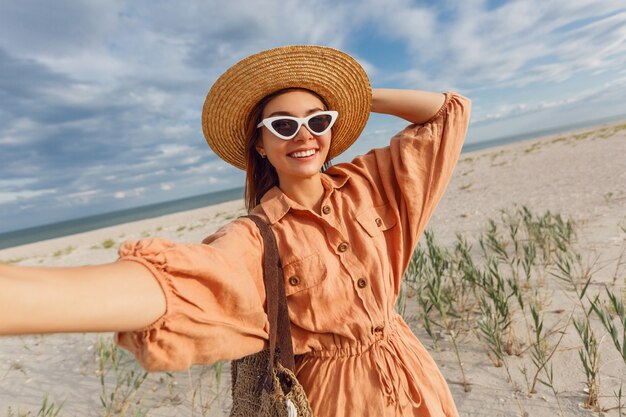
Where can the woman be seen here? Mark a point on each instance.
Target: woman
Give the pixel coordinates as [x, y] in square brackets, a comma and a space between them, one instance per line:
[345, 237]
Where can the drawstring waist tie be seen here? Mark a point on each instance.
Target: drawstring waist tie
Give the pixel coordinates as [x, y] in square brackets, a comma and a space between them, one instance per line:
[393, 374]
[391, 368]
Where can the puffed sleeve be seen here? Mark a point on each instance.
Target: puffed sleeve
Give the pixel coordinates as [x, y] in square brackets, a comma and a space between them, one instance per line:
[411, 174]
[214, 299]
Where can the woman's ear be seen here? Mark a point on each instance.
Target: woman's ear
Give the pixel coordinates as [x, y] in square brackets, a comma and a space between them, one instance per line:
[260, 150]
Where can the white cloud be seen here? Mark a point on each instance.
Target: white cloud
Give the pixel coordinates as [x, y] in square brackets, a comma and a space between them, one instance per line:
[20, 130]
[586, 97]
[192, 160]
[86, 193]
[150, 99]
[14, 196]
[135, 192]
[101, 67]
[518, 43]
[178, 131]
[169, 150]
[202, 169]
[16, 183]
[80, 198]
[507, 111]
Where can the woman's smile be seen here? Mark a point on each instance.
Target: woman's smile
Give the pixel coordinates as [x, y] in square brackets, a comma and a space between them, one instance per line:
[304, 154]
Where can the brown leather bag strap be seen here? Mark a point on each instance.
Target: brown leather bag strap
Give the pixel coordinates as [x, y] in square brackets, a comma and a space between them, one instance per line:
[276, 299]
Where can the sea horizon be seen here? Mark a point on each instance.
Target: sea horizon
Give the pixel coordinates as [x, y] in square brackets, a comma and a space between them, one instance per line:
[73, 226]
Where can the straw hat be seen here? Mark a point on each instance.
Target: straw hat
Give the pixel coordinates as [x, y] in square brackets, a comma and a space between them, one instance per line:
[334, 75]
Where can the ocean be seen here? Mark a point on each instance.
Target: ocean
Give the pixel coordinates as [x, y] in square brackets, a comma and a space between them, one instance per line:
[85, 224]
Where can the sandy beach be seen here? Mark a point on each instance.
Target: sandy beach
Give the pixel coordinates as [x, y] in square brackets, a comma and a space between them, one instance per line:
[580, 175]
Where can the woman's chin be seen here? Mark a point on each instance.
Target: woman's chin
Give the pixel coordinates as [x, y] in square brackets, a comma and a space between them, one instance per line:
[301, 173]
[304, 167]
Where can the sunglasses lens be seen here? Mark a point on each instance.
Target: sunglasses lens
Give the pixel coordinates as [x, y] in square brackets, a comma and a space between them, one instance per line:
[285, 127]
[320, 123]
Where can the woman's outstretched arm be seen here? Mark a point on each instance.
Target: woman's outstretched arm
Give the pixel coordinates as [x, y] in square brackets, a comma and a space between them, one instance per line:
[119, 296]
[412, 105]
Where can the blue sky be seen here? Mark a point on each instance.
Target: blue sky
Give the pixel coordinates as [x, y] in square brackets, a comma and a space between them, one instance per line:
[100, 101]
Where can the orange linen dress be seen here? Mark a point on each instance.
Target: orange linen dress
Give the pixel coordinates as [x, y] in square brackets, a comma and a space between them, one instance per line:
[343, 269]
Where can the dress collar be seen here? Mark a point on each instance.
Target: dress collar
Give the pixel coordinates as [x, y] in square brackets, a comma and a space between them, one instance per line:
[276, 204]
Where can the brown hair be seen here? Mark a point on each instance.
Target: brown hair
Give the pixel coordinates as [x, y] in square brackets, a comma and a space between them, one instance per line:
[261, 176]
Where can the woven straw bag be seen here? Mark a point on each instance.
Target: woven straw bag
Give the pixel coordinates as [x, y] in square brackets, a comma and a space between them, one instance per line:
[264, 384]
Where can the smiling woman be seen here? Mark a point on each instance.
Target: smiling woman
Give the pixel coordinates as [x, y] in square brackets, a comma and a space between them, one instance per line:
[344, 233]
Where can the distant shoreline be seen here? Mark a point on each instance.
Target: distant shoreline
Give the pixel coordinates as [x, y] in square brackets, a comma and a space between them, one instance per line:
[98, 221]
[69, 227]
[592, 124]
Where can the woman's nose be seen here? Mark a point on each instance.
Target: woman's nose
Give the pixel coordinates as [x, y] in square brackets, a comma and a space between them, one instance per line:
[303, 134]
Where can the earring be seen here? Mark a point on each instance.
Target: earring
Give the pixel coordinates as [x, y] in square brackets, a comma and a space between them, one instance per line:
[262, 154]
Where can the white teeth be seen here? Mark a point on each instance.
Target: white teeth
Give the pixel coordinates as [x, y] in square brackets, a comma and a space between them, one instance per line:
[303, 154]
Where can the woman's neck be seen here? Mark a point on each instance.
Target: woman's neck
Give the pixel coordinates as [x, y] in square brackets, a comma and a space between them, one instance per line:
[308, 192]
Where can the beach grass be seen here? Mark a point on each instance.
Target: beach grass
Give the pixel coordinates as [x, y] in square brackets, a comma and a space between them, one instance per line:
[13, 260]
[66, 251]
[105, 244]
[120, 380]
[108, 243]
[494, 295]
[48, 409]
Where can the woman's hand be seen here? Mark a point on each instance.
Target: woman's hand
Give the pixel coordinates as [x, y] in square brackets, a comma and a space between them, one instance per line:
[120, 296]
[412, 105]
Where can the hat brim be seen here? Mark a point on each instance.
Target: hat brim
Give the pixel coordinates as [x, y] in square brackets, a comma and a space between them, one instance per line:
[333, 74]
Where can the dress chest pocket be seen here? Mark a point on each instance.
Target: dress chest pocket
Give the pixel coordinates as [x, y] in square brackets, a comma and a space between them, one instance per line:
[375, 220]
[304, 273]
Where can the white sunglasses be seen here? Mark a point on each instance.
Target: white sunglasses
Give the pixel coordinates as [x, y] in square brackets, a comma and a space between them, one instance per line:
[287, 127]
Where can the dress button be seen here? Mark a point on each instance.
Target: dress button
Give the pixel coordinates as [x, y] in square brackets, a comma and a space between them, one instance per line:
[326, 209]
[362, 283]
[379, 222]
[343, 247]
[294, 280]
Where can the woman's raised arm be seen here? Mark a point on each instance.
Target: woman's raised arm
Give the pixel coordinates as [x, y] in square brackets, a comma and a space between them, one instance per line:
[119, 296]
[412, 105]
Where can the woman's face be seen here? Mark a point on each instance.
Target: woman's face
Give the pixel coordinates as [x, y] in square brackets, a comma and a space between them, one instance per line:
[292, 158]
